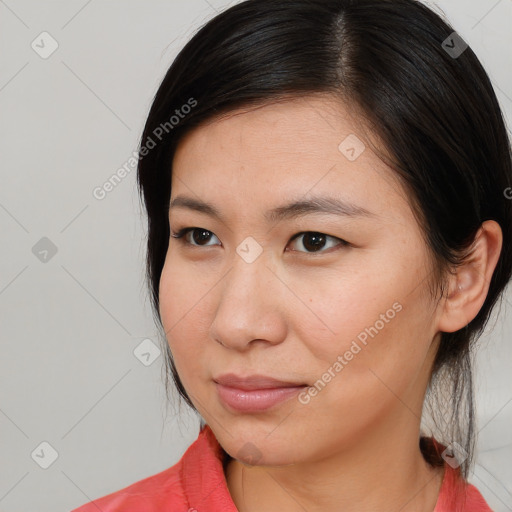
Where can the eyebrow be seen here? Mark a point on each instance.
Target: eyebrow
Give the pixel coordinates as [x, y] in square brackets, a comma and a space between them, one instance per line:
[288, 211]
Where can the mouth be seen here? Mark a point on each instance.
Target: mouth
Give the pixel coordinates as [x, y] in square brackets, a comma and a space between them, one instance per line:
[255, 393]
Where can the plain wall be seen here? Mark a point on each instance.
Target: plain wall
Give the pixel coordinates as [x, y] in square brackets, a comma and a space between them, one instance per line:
[70, 320]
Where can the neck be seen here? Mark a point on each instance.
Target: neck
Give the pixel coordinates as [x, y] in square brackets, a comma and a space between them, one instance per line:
[384, 472]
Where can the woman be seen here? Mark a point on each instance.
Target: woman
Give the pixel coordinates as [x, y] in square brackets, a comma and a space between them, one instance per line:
[328, 234]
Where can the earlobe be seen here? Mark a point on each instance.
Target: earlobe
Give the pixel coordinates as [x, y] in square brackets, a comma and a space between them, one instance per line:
[469, 284]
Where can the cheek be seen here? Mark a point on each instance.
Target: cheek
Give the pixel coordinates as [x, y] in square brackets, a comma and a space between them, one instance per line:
[346, 307]
[184, 320]
[370, 320]
[374, 335]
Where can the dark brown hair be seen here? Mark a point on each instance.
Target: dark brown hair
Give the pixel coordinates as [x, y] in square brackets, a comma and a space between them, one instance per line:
[434, 112]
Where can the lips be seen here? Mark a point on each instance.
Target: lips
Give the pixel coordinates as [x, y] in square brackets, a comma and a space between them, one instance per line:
[255, 393]
[252, 382]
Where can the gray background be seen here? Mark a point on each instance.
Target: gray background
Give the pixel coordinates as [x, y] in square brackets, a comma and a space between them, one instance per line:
[70, 321]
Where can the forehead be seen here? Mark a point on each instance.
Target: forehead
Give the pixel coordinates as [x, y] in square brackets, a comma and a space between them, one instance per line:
[309, 145]
[312, 123]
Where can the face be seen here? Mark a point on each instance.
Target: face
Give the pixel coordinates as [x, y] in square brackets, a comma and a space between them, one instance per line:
[333, 301]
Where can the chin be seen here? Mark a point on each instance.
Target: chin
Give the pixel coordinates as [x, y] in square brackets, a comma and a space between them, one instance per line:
[261, 446]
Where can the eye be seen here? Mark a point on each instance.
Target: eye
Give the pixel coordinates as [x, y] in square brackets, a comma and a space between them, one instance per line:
[312, 241]
[202, 236]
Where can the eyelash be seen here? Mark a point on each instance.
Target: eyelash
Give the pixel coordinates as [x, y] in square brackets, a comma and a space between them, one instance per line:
[182, 232]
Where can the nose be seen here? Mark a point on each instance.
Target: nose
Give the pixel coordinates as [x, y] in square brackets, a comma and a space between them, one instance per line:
[251, 306]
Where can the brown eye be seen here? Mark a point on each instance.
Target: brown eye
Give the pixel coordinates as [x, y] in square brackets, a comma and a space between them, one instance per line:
[199, 236]
[313, 241]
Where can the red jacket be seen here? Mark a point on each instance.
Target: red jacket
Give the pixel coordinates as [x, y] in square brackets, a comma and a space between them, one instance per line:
[197, 484]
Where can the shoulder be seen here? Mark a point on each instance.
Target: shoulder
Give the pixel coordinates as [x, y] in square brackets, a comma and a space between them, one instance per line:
[475, 501]
[153, 493]
[170, 489]
[456, 495]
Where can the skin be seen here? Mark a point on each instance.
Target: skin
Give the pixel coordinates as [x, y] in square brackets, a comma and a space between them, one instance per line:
[290, 313]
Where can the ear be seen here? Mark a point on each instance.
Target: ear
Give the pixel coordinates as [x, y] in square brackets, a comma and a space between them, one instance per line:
[469, 285]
